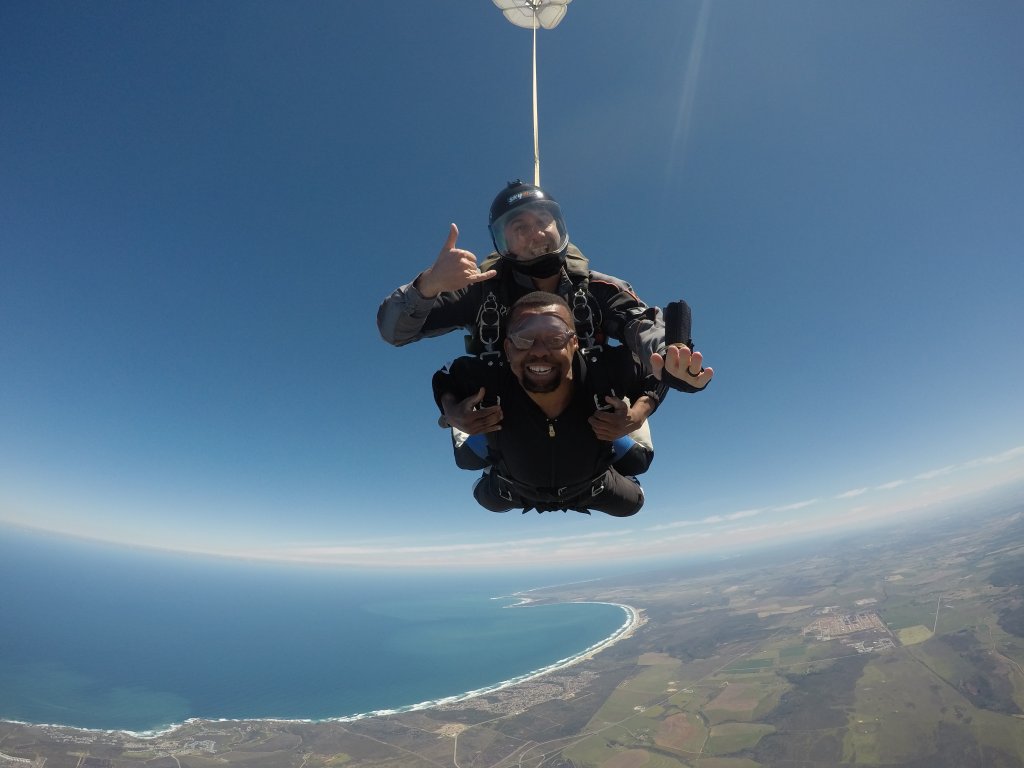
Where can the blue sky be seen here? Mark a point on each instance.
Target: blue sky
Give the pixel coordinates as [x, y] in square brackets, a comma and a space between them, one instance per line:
[202, 205]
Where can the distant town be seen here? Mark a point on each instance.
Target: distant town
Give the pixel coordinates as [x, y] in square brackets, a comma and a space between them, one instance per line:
[863, 631]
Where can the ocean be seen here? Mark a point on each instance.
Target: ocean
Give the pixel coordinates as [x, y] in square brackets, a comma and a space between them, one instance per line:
[101, 637]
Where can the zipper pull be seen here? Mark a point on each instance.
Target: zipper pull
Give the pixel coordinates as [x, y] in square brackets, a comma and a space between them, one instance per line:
[551, 429]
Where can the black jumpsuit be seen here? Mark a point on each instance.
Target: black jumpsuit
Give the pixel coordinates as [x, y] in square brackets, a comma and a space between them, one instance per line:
[552, 463]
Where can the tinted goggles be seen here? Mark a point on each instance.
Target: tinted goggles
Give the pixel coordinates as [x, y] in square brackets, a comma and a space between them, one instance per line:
[551, 332]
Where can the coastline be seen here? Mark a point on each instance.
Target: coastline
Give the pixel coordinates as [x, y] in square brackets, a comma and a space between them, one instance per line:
[634, 620]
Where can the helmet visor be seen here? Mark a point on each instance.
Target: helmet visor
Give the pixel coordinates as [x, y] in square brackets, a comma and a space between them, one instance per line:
[530, 230]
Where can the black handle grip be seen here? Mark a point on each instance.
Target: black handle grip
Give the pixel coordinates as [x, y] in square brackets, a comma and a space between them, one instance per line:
[677, 323]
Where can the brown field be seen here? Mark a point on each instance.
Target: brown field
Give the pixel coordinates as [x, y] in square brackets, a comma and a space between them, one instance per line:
[632, 758]
[678, 732]
[736, 698]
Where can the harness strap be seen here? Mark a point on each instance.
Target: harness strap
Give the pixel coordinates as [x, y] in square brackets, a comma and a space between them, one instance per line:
[583, 318]
[565, 496]
[489, 333]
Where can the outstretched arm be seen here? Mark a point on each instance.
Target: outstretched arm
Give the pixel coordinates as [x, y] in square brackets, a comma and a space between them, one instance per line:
[626, 318]
[685, 365]
[436, 301]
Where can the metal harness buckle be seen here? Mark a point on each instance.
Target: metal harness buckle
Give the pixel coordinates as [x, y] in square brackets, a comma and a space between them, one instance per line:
[583, 318]
[503, 488]
[489, 322]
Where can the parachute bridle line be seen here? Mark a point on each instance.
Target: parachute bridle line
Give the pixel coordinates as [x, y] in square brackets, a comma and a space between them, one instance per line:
[534, 14]
[536, 129]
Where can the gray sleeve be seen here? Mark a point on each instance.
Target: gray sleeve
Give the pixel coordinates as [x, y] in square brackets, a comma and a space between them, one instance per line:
[644, 334]
[626, 318]
[401, 315]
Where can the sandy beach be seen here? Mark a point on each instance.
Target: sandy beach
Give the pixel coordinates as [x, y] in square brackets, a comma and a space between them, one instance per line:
[634, 620]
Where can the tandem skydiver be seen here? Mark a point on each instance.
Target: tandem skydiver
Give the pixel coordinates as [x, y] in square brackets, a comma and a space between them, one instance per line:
[541, 439]
[533, 252]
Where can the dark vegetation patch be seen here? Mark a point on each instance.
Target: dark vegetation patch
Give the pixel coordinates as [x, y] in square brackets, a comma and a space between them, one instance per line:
[956, 747]
[1008, 574]
[811, 719]
[1012, 620]
[987, 688]
[819, 699]
[704, 638]
[798, 750]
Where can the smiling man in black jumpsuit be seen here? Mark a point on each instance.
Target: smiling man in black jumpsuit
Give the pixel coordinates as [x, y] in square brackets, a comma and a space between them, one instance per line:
[541, 436]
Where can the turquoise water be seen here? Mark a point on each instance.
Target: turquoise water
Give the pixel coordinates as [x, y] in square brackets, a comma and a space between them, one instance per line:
[100, 637]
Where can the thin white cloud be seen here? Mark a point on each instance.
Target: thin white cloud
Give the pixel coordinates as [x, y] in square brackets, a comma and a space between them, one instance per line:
[932, 474]
[709, 520]
[712, 533]
[753, 528]
[998, 458]
[743, 513]
[852, 493]
[673, 526]
[797, 505]
[685, 537]
[890, 485]
[391, 548]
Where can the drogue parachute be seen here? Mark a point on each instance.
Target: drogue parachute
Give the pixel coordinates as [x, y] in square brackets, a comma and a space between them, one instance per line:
[531, 14]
